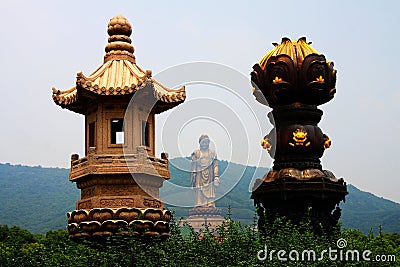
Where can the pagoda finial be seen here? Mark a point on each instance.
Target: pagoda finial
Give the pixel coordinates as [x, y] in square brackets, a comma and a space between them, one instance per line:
[119, 45]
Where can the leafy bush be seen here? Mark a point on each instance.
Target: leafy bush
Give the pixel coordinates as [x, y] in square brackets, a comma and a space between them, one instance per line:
[230, 245]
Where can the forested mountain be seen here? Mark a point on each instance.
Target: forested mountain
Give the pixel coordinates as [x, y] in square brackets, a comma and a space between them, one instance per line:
[38, 198]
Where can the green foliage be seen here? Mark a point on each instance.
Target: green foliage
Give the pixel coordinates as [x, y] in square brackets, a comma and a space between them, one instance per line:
[232, 244]
[15, 235]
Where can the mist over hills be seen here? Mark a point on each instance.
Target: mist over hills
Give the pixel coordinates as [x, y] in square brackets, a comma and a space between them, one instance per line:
[38, 198]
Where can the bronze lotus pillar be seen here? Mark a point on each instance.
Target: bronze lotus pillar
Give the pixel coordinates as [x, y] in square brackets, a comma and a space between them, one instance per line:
[294, 79]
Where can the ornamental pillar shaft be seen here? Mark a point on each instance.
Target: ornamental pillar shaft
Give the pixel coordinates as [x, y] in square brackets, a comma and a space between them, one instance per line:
[293, 79]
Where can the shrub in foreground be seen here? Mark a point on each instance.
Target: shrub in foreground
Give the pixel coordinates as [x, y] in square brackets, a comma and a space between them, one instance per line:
[230, 245]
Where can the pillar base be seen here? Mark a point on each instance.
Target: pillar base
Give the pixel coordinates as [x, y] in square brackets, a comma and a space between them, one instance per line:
[298, 194]
[101, 222]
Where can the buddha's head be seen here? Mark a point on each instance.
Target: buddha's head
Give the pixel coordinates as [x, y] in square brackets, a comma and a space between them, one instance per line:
[204, 142]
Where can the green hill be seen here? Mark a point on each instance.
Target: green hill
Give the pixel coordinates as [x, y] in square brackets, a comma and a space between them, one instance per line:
[363, 210]
[38, 198]
[35, 198]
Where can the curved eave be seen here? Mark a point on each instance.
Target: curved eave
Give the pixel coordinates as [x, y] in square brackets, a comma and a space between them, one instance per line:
[74, 99]
[115, 79]
[167, 98]
[64, 97]
[77, 98]
[162, 106]
[68, 99]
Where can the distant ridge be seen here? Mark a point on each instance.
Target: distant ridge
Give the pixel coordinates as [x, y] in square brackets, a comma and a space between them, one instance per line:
[38, 198]
[364, 210]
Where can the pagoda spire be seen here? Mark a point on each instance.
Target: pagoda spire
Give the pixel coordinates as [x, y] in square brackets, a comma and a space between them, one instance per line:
[119, 75]
[119, 45]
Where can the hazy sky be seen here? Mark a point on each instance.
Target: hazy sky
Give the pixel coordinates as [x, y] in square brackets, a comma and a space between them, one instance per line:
[45, 43]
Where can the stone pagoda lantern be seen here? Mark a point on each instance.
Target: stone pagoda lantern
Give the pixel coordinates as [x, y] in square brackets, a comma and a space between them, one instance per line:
[293, 79]
[119, 176]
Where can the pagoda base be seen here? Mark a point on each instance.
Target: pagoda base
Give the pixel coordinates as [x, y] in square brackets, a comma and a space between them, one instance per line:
[310, 194]
[101, 222]
[202, 216]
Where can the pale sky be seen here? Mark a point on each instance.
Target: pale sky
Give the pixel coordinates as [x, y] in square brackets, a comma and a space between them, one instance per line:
[45, 43]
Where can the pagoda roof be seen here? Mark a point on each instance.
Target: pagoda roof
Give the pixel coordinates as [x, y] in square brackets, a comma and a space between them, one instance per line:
[119, 76]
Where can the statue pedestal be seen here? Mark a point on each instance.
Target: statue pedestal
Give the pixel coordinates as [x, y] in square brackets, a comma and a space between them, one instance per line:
[311, 194]
[202, 216]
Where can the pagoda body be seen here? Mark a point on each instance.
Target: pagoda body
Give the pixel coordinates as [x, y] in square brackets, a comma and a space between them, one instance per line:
[119, 176]
[293, 79]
